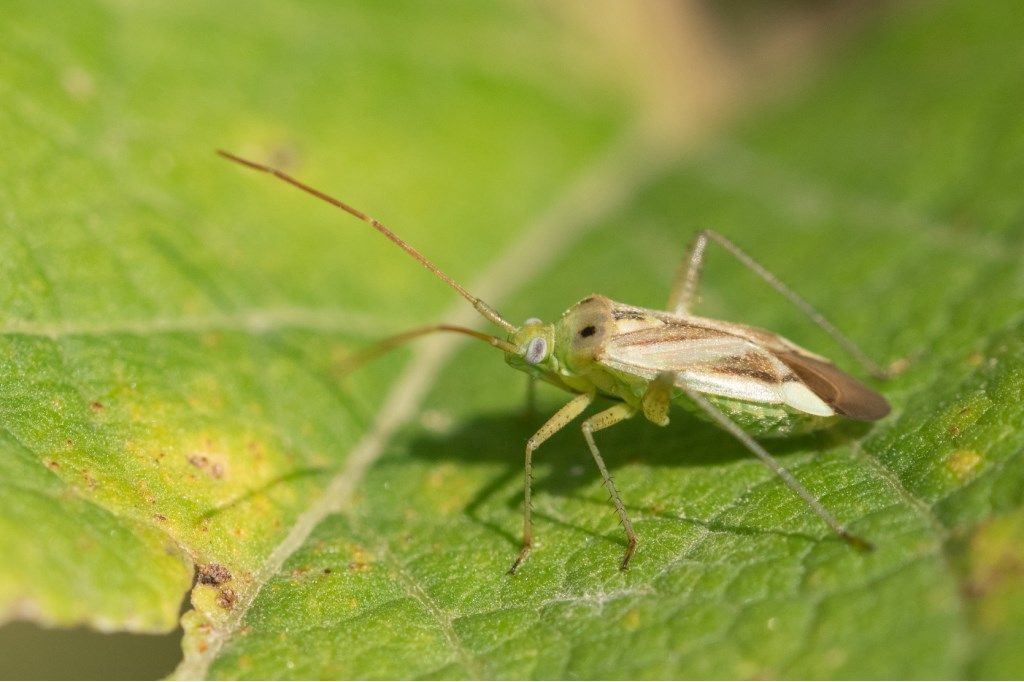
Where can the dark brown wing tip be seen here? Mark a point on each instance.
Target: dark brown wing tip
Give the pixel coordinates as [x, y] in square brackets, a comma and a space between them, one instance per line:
[844, 394]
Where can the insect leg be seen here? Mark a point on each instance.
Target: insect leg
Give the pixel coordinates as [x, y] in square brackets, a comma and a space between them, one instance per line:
[602, 420]
[684, 293]
[658, 398]
[556, 423]
[743, 437]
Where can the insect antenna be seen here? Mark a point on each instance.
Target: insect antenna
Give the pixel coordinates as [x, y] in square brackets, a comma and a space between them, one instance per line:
[392, 342]
[480, 306]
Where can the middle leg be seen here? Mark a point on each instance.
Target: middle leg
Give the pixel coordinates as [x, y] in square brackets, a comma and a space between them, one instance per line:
[602, 420]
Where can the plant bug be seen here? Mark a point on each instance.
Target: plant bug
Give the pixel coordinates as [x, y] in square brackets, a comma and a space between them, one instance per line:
[748, 381]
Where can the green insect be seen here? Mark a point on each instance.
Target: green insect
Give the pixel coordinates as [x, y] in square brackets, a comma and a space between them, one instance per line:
[748, 381]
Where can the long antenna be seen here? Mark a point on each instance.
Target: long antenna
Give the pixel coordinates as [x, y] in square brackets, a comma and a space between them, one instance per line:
[481, 307]
[392, 342]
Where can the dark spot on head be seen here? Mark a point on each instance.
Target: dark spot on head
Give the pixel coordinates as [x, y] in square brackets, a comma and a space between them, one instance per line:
[589, 330]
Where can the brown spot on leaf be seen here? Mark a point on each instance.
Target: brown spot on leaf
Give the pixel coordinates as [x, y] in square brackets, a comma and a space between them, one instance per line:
[206, 465]
[226, 598]
[90, 482]
[160, 518]
[212, 574]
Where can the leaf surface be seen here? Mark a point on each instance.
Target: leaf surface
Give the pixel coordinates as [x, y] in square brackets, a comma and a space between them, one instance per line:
[172, 329]
[889, 195]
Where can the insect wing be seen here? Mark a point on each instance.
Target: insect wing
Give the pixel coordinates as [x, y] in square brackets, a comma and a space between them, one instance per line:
[734, 361]
[713, 361]
[840, 391]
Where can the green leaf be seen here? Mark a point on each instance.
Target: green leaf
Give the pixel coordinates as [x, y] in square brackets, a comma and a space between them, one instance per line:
[172, 328]
[889, 195]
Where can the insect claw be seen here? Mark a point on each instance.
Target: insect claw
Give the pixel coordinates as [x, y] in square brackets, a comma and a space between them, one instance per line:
[630, 551]
[523, 553]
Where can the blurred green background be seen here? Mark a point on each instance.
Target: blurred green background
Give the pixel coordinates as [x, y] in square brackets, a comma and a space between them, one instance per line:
[172, 330]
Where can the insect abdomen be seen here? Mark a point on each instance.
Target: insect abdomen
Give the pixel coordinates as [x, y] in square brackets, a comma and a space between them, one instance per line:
[760, 419]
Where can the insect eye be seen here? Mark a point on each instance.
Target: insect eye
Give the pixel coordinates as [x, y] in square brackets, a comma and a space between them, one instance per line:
[536, 350]
[588, 331]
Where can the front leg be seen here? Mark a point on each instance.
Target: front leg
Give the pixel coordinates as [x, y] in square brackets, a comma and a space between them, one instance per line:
[602, 420]
[556, 423]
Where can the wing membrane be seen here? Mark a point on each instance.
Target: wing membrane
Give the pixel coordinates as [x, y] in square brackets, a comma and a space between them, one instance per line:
[840, 391]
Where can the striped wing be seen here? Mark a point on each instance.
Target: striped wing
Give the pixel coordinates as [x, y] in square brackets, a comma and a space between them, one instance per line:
[734, 361]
